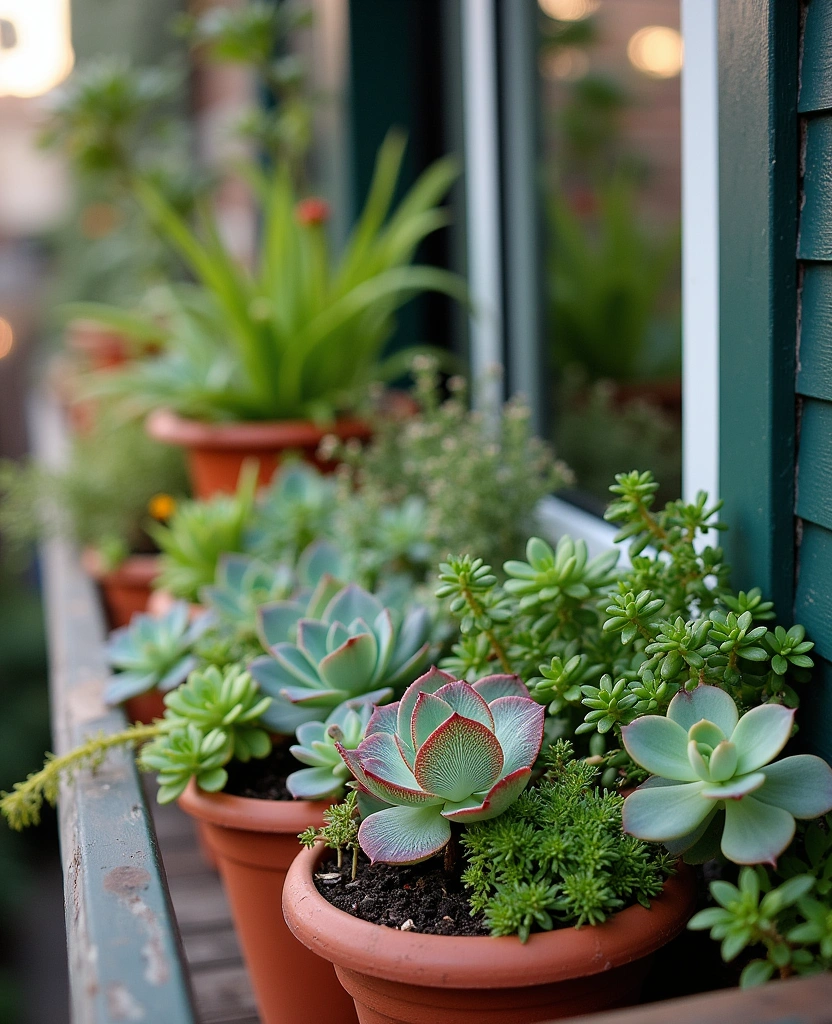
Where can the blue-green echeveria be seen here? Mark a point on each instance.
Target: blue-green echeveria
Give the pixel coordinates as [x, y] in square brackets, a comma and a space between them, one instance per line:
[317, 746]
[357, 649]
[242, 585]
[447, 751]
[705, 759]
[152, 653]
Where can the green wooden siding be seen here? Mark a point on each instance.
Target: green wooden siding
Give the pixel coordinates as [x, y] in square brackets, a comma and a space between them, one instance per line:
[814, 370]
[758, 225]
[813, 598]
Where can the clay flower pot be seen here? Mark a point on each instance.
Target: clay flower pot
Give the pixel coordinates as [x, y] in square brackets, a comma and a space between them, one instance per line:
[254, 842]
[145, 707]
[125, 590]
[216, 451]
[99, 347]
[397, 977]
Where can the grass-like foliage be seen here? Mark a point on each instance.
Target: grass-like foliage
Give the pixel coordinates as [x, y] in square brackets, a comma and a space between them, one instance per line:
[301, 334]
[557, 856]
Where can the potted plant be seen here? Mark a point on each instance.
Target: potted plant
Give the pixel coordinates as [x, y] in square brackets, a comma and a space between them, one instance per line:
[446, 770]
[261, 361]
[223, 748]
[115, 479]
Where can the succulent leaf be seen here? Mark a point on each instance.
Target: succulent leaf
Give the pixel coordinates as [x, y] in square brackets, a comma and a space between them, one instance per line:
[153, 652]
[728, 757]
[348, 653]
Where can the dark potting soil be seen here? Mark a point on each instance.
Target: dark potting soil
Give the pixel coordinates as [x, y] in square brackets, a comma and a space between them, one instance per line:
[264, 778]
[415, 897]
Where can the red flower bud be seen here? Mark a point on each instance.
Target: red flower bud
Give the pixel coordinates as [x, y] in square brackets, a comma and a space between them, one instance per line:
[312, 211]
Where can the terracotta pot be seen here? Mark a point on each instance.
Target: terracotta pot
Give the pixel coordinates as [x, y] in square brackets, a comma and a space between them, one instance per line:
[160, 603]
[145, 707]
[100, 347]
[407, 978]
[126, 589]
[254, 842]
[216, 451]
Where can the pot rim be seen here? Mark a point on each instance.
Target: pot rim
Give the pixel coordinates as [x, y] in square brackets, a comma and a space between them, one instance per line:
[248, 814]
[135, 569]
[170, 428]
[443, 961]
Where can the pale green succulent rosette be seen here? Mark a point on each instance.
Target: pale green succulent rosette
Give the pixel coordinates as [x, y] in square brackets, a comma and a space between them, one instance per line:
[704, 758]
[317, 746]
[242, 585]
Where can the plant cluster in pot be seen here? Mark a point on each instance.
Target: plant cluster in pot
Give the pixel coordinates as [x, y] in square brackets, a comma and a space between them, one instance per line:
[273, 359]
[227, 729]
[445, 772]
[346, 654]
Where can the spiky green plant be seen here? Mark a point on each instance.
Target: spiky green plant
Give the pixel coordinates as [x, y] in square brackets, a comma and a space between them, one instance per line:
[199, 533]
[300, 335]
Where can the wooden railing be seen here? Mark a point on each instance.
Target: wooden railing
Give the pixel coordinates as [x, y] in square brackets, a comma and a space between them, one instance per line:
[125, 959]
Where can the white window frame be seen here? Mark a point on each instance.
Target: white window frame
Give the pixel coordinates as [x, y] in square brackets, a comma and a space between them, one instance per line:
[700, 246]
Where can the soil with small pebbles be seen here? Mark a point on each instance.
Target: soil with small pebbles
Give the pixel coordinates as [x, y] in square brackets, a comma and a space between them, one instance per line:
[414, 897]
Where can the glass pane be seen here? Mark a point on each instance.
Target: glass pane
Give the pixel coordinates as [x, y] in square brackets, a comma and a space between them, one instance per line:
[609, 85]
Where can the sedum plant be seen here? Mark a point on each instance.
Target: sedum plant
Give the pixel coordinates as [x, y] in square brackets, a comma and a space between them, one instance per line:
[446, 752]
[603, 645]
[356, 649]
[152, 653]
[210, 719]
[707, 761]
[786, 922]
[317, 746]
[557, 857]
[199, 533]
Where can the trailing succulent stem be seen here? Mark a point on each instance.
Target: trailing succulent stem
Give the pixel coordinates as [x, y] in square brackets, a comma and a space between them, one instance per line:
[22, 807]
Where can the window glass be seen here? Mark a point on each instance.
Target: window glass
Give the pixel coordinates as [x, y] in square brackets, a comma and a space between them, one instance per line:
[609, 87]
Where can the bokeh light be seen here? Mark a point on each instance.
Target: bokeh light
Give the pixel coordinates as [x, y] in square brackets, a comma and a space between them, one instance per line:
[6, 338]
[37, 49]
[568, 10]
[657, 51]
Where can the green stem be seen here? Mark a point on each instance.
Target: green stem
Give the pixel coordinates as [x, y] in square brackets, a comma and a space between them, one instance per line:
[496, 646]
[22, 806]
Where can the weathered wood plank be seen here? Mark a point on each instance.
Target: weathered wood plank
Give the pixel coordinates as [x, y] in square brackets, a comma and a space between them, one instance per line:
[815, 236]
[798, 1001]
[223, 994]
[125, 958]
[814, 357]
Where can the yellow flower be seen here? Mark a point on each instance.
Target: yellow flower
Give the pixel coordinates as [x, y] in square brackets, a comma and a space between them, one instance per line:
[161, 506]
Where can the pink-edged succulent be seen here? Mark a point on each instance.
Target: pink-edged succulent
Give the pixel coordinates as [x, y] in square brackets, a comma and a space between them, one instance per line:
[705, 758]
[447, 751]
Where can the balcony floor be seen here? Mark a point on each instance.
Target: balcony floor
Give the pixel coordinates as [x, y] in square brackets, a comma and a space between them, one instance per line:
[222, 990]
